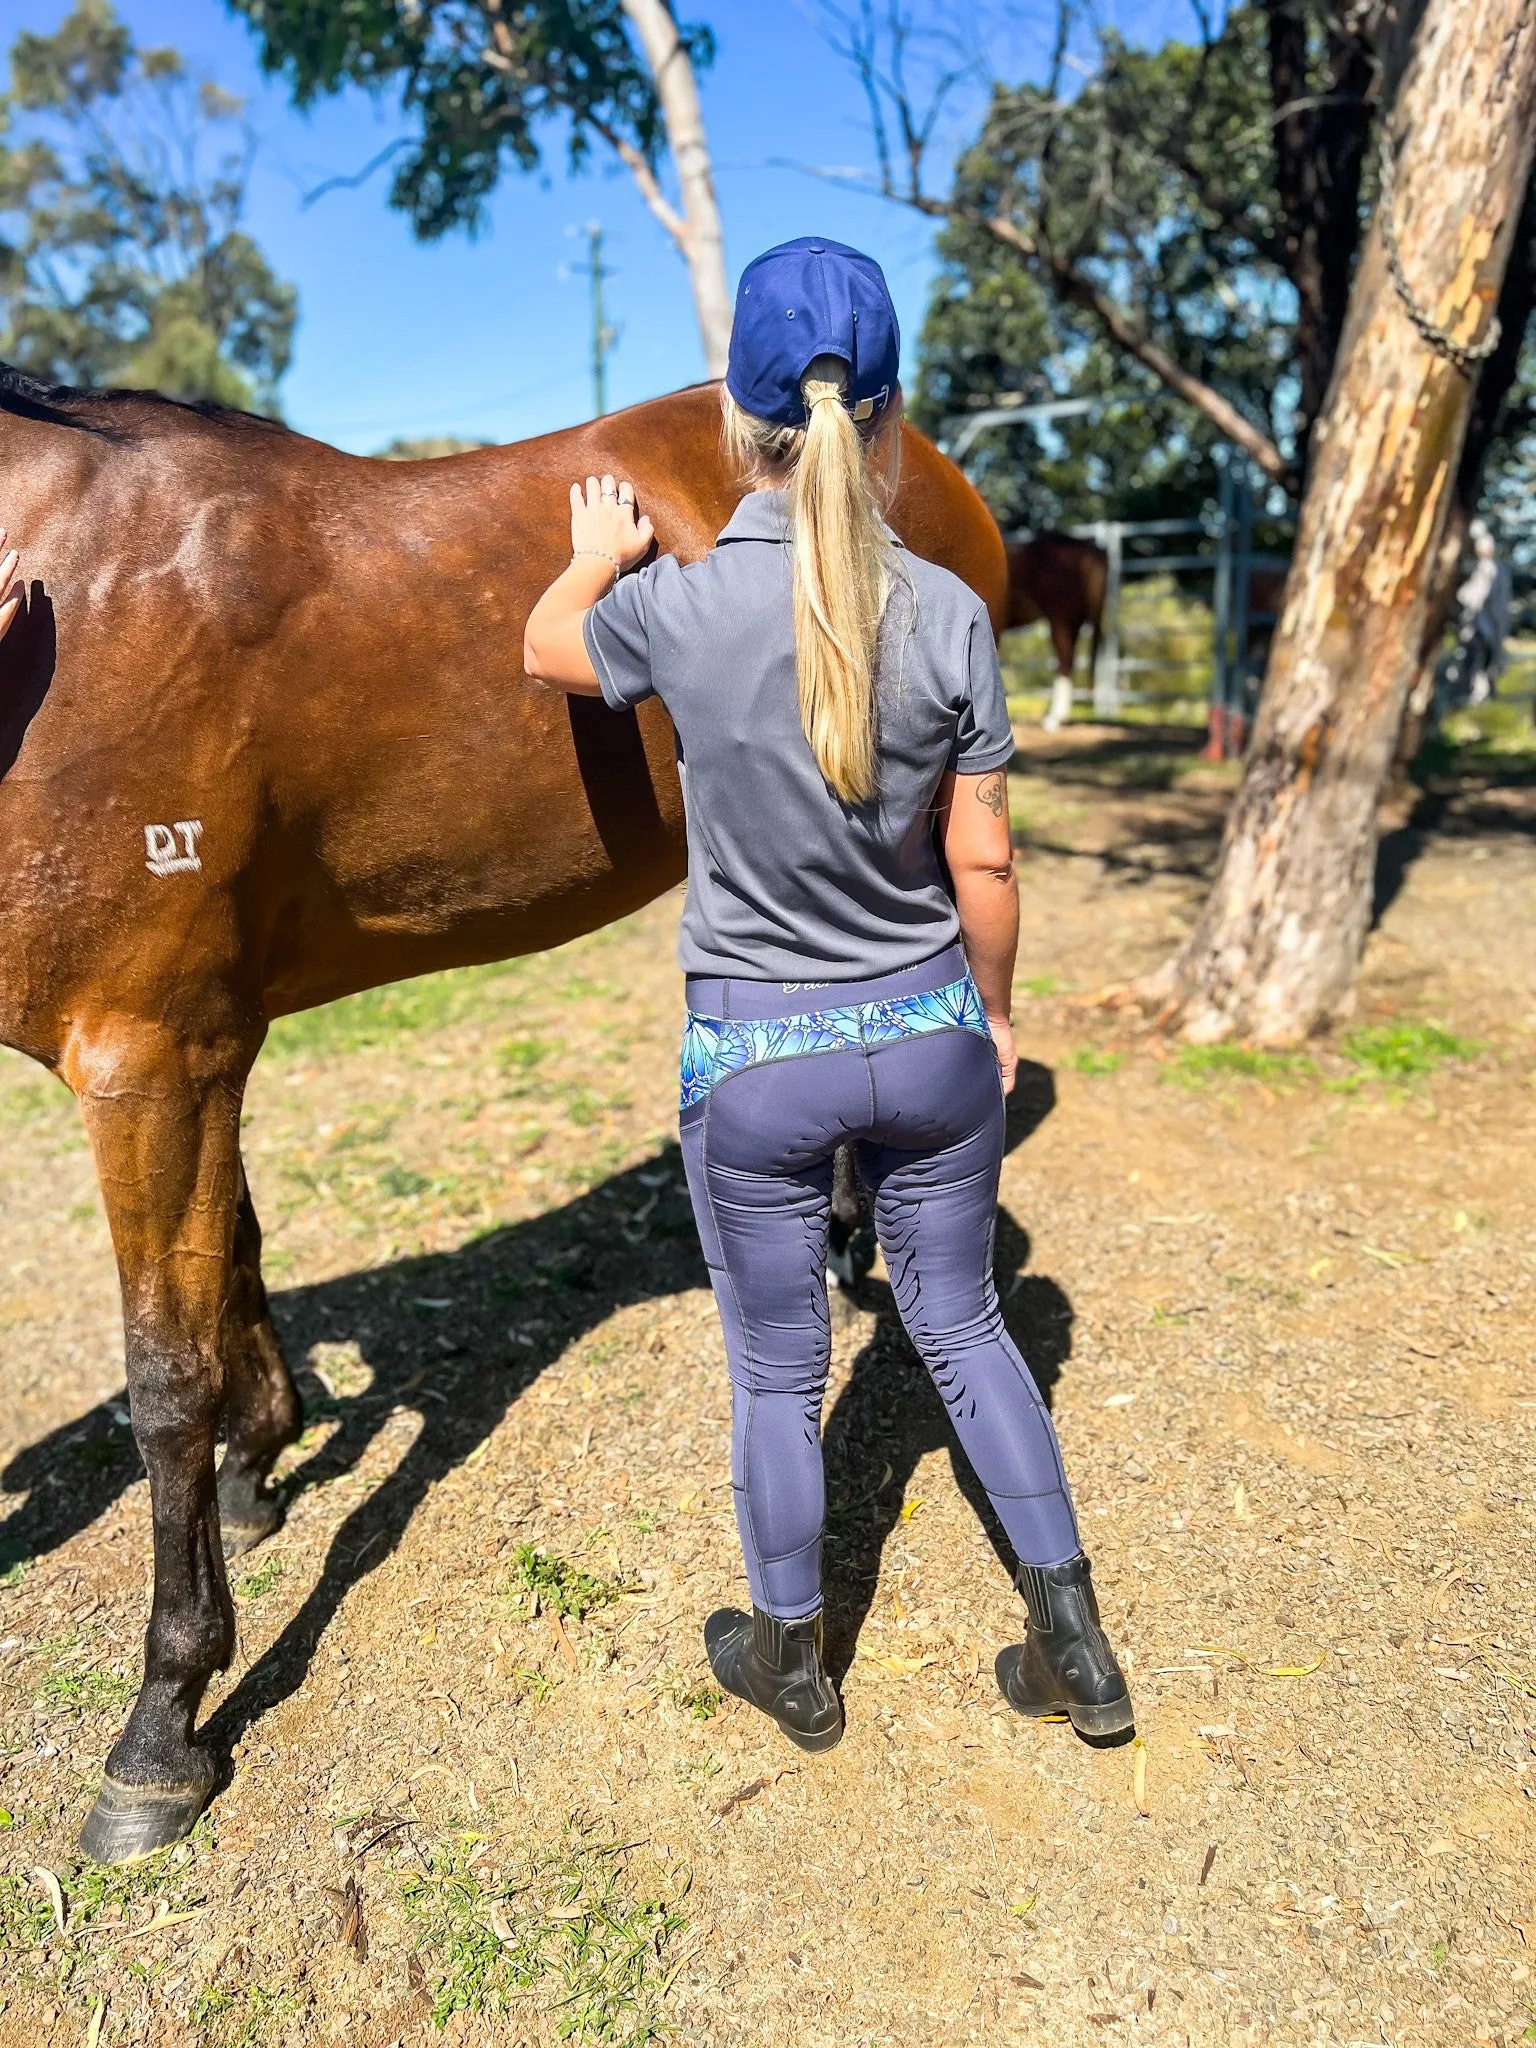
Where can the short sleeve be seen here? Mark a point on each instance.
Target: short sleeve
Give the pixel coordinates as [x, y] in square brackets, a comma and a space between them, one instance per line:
[618, 636]
[984, 736]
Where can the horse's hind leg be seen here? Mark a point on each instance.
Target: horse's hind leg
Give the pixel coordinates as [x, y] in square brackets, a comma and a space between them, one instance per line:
[164, 1119]
[1064, 634]
[262, 1409]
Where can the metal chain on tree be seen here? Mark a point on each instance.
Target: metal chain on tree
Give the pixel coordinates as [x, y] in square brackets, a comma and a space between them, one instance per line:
[1466, 356]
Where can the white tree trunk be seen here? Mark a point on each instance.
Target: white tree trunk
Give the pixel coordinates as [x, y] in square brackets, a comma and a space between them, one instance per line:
[1277, 949]
[696, 231]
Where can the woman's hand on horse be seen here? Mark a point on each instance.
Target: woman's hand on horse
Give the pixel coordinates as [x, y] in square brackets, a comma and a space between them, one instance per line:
[604, 522]
[10, 584]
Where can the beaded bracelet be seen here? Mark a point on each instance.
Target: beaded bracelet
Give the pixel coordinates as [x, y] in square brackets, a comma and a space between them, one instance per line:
[602, 555]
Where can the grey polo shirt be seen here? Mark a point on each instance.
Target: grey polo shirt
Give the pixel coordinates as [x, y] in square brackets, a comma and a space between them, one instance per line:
[785, 881]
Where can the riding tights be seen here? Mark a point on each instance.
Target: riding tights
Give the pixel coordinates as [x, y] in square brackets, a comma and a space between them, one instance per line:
[775, 1079]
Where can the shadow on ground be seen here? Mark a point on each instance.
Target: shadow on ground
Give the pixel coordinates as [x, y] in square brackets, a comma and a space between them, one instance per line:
[458, 1337]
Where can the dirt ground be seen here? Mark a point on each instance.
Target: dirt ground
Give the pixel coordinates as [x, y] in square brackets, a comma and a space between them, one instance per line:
[1284, 1312]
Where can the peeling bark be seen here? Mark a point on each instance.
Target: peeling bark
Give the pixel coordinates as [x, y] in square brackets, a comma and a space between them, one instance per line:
[1277, 948]
[697, 230]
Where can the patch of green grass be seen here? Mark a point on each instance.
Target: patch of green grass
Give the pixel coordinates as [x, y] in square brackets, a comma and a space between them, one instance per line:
[400, 1182]
[13, 1570]
[82, 1212]
[569, 1927]
[434, 1002]
[25, 1101]
[556, 1586]
[92, 1893]
[1192, 1066]
[260, 1581]
[87, 1692]
[643, 1519]
[26, 1917]
[583, 1107]
[699, 1702]
[1088, 1059]
[1397, 1052]
[696, 1771]
[240, 2016]
[519, 1054]
[1041, 985]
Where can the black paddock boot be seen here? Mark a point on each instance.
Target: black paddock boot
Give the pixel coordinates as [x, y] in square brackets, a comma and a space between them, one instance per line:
[776, 1665]
[1065, 1664]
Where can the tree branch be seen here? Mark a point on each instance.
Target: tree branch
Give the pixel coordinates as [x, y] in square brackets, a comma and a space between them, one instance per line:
[645, 178]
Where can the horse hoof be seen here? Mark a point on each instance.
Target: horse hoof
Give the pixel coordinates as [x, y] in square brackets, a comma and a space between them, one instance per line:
[245, 1535]
[130, 1821]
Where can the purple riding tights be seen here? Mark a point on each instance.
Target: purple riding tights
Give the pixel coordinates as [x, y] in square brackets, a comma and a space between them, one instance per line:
[926, 1114]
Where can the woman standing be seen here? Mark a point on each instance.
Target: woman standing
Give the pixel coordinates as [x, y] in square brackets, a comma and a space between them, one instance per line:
[848, 941]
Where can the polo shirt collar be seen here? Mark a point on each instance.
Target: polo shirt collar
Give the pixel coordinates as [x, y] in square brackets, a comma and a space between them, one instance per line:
[764, 515]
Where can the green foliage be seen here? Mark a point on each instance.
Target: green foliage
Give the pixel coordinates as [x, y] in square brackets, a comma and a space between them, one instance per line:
[13, 1569]
[260, 1581]
[86, 1692]
[241, 2016]
[433, 1002]
[568, 1926]
[428, 448]
[92, 1893]
[1398, 1052]
[1194, 1065]
[558, 1586]
[1159, 178]
[122, 185]
[698, 1702]
[1089, 1060]
[480, 83]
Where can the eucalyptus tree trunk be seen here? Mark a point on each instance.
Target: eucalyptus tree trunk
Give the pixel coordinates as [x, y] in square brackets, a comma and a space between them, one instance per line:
[696, 230]
[1517, 300]
[1277, 949]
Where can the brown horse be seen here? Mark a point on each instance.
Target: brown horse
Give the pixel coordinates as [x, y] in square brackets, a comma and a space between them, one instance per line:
[264, 741]
[1061, 580]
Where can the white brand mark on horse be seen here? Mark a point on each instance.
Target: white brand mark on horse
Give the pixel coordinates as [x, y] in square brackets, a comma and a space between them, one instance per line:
[163, 857]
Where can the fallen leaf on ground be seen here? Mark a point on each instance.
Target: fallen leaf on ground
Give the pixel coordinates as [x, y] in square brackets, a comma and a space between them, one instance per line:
[55, 1891]
[563, 1642]
[1252, 1663]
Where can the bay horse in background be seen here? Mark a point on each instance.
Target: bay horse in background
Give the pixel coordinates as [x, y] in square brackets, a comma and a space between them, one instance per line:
[265, 741]
[1061, 580]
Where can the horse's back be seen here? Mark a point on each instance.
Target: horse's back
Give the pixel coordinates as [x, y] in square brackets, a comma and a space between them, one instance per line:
[265, 723]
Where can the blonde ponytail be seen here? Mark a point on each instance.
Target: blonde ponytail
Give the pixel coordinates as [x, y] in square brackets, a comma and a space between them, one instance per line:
[842, 570]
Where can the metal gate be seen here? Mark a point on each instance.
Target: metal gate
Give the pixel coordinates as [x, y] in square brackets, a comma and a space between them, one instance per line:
[1224, 549]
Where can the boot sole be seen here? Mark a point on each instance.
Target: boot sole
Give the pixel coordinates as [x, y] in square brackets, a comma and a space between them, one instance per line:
[814, 1744]
[1112, 1717]
[1096, 1720]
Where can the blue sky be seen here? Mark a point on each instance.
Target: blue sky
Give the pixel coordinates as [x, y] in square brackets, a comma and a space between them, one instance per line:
[483, 337]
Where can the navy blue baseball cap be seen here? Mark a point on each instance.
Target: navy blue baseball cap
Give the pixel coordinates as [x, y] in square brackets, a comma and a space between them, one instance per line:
[805, 299]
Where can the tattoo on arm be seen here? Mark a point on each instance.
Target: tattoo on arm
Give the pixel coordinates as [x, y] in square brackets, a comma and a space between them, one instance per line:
[992, 790]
